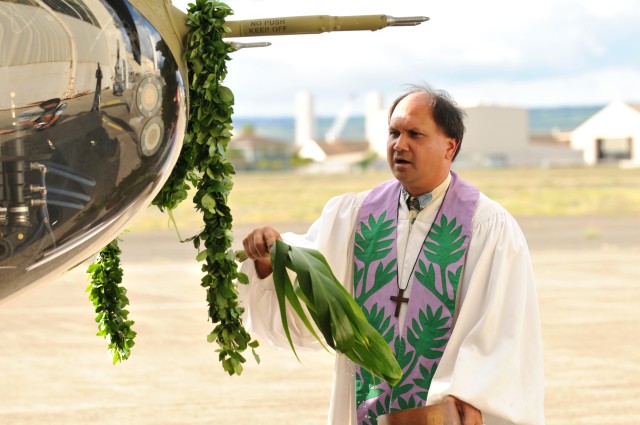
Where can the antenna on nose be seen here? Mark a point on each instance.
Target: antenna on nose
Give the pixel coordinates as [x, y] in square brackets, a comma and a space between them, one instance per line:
[316, 24]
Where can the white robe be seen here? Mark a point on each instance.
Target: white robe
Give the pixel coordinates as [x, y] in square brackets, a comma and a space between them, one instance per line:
[493, 360]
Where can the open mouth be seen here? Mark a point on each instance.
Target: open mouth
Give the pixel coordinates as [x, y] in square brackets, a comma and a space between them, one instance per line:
[401, 161]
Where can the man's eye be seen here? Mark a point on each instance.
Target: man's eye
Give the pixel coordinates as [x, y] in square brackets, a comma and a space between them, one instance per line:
[414, 134]
[393, 133]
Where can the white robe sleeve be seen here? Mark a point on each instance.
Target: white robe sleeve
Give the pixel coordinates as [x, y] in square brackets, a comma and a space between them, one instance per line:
[493, 360]
[331, 234]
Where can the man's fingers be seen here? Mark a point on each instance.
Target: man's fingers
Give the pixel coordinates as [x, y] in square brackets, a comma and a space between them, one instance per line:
[255, 246]
[452, 400]
[270, 236]
[258, 243]
[469, 415]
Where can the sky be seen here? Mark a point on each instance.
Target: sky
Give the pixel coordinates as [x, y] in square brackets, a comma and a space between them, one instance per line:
[542, 53]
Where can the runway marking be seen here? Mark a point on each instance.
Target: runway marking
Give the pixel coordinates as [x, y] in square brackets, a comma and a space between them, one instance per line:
[111, 124]
[112, 103]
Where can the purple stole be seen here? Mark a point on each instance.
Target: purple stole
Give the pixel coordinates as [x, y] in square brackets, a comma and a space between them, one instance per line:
[431, 306]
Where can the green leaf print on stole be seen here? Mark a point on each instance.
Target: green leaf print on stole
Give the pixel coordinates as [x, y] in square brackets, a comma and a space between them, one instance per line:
[365, 389]
[405, 359]
[425, 336]
[380, 321]
[427, 333]
[425, 381]
[370, 246]
[442, 248]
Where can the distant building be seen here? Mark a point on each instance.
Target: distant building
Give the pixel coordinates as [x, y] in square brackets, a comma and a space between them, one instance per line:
[305, 125]
[337, 157]
[553, 149]
[612, 135]
[250, 152]
[69, 40]
[498, 136]
[332, 155]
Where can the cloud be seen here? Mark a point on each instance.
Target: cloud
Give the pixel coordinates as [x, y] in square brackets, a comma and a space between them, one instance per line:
[548, 52]
[610, 9]
[590, 88]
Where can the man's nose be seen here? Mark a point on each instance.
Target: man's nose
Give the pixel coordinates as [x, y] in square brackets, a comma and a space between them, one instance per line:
[399, 144]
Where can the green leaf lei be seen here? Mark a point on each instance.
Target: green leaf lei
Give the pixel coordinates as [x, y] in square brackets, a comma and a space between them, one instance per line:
[202, 164]
[110, 301]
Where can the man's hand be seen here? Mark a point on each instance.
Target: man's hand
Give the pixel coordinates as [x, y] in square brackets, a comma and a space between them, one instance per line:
[469, 415]
[257, 245]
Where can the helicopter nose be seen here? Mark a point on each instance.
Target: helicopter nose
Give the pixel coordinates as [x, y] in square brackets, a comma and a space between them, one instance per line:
[106, 129]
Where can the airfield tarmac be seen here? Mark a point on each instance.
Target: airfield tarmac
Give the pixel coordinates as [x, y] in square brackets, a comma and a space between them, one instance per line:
[54, 370]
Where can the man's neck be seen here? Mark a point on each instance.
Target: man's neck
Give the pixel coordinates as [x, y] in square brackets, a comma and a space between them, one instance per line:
[435, 192]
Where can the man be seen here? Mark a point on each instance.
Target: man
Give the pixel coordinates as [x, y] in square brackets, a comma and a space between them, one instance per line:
[97, 96]
[440, 269]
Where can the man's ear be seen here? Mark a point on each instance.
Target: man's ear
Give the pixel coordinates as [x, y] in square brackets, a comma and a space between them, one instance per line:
[452, 147]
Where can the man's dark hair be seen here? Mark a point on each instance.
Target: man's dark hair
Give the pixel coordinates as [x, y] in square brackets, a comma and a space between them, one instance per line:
[449, 117]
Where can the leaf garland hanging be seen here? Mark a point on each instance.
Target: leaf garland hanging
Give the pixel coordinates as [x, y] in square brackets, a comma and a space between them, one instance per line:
[110, 301]
[202, 165]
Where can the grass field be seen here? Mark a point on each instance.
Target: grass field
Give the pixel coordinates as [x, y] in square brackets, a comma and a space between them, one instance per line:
[287, 197]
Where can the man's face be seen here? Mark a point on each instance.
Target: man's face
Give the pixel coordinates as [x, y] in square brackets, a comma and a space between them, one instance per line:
[419, 154]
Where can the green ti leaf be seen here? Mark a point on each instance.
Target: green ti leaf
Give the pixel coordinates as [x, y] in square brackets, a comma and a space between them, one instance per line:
[333, 310]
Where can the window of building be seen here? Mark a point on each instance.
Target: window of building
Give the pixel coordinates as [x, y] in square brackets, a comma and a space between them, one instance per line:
[74, 8]
[614, 149]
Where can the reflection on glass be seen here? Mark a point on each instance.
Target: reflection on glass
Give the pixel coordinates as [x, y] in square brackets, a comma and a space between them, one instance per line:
[92, 117]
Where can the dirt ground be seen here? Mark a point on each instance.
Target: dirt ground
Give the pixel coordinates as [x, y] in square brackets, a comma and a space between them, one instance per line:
[54, 370]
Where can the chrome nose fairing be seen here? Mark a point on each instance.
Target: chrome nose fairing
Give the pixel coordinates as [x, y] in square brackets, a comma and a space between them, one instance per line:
[92, 117]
